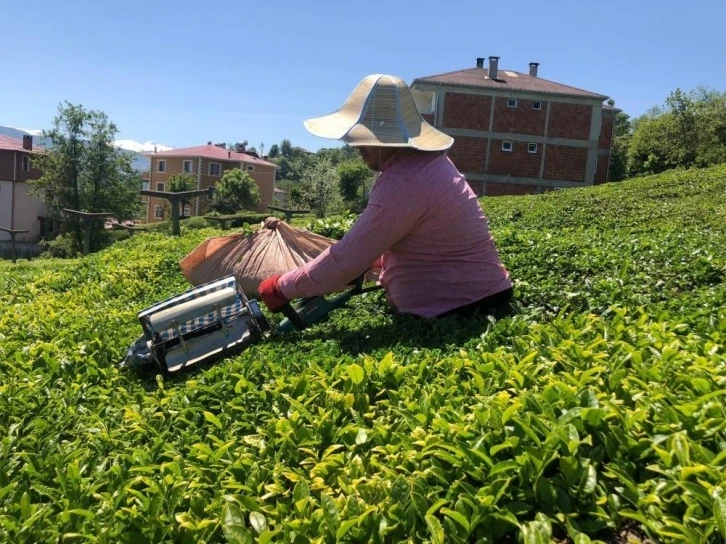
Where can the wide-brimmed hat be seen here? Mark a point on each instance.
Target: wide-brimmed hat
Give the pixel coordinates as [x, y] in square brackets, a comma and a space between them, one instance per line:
[380, 111]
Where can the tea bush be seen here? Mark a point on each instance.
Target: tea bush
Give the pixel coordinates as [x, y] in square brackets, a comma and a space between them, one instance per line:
[595, 414]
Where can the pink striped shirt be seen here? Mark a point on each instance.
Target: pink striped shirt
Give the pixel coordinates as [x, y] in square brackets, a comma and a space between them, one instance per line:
[426, 225]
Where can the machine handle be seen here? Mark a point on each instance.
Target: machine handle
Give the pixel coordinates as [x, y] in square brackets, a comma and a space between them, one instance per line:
[290, 313]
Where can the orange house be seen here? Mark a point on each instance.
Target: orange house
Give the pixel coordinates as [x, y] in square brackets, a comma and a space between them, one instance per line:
[206, 163]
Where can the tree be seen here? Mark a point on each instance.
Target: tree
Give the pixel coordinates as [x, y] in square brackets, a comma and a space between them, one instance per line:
[274, 151]
[650, 149]
[710, 107]
[622, 129]
[236, 191]
[286, 148]
[318, 188]
[338, 155]
[684, 139]
[690, 130]
[83, 170]
[353, 176]
[178, 183]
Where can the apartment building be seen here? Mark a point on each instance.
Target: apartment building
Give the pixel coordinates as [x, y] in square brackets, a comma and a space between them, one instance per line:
[517, 133]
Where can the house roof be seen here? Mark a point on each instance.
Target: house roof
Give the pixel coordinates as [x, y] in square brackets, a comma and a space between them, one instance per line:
[506, 80]
[210, 152]
[12, 144]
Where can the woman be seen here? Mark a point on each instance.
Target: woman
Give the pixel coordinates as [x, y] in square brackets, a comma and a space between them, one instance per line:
[423, 225]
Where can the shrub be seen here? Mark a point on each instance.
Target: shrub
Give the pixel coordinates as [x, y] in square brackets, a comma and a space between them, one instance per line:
[595, 414]
[236, 191]
[333, 227]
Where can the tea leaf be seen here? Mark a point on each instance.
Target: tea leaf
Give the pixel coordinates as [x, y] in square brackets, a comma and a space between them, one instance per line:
[436, 531]
[214, 420]
[233, 525]
[258, 522]
[356, 373]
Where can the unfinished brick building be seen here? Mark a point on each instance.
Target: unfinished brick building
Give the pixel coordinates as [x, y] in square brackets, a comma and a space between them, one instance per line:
[517, 133]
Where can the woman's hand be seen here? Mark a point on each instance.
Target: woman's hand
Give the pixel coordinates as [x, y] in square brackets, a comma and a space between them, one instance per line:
[272, 295]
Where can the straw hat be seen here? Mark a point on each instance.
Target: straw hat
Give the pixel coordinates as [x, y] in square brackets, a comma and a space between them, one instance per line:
[380, 111]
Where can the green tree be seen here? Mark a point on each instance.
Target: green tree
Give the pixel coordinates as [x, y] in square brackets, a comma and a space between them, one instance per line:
[319, 188]
[650, 149]
[710, 106]
[622, 129]
[290, 168]
[338, 155]
[83, 170]
[683, 141]
[236, 191]
[353, 176]
[689, 130]
[286, 148]
[274, 151]
[179, 183]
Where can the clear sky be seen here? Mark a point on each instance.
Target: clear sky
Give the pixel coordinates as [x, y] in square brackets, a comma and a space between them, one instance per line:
[181, 73]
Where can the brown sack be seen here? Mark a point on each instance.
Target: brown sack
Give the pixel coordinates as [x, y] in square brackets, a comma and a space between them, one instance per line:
[275, 248]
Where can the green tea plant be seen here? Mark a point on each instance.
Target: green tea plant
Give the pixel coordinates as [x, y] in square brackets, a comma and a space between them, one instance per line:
[595, 414]
[333, 227]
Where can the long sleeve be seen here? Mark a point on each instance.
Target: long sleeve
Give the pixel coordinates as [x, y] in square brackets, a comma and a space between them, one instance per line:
[393, 212]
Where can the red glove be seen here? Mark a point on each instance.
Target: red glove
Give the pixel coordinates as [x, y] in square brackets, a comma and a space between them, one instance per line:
[271, 295]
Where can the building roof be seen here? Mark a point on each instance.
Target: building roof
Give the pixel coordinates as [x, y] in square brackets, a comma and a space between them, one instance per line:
[210, 152]
[506, 80]
[11, 144]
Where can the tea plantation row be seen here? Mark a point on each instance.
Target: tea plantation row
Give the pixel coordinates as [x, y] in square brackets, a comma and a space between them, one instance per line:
[595, 413]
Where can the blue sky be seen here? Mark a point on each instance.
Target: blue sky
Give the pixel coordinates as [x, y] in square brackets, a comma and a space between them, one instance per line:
[182, 73]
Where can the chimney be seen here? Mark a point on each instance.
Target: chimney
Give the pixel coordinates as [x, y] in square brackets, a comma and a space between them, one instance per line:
[533, 68]
[27, 142]
[480, 62]
[493, 66]
[209, 142]
[229, 154]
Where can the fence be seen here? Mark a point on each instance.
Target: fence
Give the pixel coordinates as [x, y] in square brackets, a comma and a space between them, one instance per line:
[23, 250]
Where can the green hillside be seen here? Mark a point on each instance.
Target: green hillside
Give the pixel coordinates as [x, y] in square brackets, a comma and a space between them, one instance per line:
[596, 413]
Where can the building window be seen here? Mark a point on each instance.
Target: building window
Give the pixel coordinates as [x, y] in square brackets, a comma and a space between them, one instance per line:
[25, 164]
[507, 145]
[215, 169]
[250, 168]
[145, 185]
[532, 148]
[187, 167]
[511, 102]
[187, 211]
[160, 186]
[537, 105]
[161, 166]
[158, 212]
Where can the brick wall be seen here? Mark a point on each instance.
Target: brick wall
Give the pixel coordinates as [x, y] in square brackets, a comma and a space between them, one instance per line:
[562, 163]
[523, 119]
[565, 163]
[477, 187]
[500, 189]
[570, 121]
[601, 174]
[469, 153]
[428, 117]
[468, 111]
[518, 162]
[606, 130]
